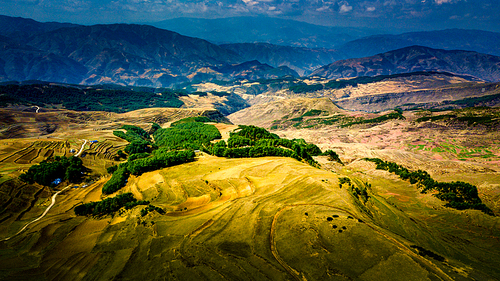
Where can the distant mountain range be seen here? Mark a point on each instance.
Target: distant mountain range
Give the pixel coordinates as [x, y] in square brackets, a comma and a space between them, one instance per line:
[415, 58]
[142, 55]
[302, 60]
[121, 53]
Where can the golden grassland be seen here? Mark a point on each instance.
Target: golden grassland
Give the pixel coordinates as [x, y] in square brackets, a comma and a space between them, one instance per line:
[265, 218]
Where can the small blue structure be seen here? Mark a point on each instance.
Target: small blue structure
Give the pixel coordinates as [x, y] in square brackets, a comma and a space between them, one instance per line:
[93, 141]
[56, 181]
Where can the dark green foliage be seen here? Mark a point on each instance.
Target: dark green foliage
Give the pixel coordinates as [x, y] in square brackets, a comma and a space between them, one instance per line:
[108, 205]
[139, 140]
[436, 118]
[120, 154]
[489, 117]
[332, 156]
[152, 208]
[313, 112]
[302, 87]
[360, 192]
[380, 119]
[191, 135]
[136, 131]
[201, 119]
[133, 133]
[117, 181]
[218, 149]
[58, 167]
[112, 169]
[187, 133]
[254, 133]
[137, 156]
[161, 158]
[459, 195]
[252, 141]
[239, 141]
[344, 180]
[96, 98]
[136, 147]
[155, 127]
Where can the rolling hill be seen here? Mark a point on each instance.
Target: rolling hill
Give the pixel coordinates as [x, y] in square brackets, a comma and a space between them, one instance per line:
[253, 218]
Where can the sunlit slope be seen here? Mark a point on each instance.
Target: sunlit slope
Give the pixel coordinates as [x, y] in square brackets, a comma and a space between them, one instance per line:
[239, 219]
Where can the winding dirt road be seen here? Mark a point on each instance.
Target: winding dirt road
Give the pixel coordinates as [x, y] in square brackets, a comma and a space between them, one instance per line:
[43, 215]
[81, 149]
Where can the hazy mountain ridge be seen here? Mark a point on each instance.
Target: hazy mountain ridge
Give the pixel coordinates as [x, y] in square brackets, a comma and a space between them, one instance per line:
[449, 39]
[303, 60]
[415, 58]
[264, 30]
[22, 28]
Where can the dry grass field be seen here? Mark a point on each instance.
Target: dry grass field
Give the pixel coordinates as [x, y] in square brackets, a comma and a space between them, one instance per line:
[265, 218]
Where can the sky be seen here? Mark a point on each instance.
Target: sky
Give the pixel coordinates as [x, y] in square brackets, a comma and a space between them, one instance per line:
[388, 15]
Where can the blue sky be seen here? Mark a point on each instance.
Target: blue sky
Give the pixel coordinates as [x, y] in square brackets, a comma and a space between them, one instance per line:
[388, 15]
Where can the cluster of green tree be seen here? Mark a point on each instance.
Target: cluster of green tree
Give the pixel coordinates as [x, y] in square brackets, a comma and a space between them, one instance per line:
[344, 180]
[253, 132]
[360, 192]
[108, 205]
[332, 156]
[314, 112]
[139, 140]
[457, 194]
[252, 141]
[138, 156]
[201, 119]
[190, 135]
[436, 118]
[117, 181]
[385, 117]
[473, 116]
[133, 133]
[160, 158]
[477, 101]
[47, 171]
[151, 208]
[116, 99]
[302, 87]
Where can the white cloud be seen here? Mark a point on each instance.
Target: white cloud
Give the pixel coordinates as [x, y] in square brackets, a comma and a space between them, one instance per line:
[345, 8]
[370, 9]
[439, 2]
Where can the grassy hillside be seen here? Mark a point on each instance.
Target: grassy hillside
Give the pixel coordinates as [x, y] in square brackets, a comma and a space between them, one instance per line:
[266, 218]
